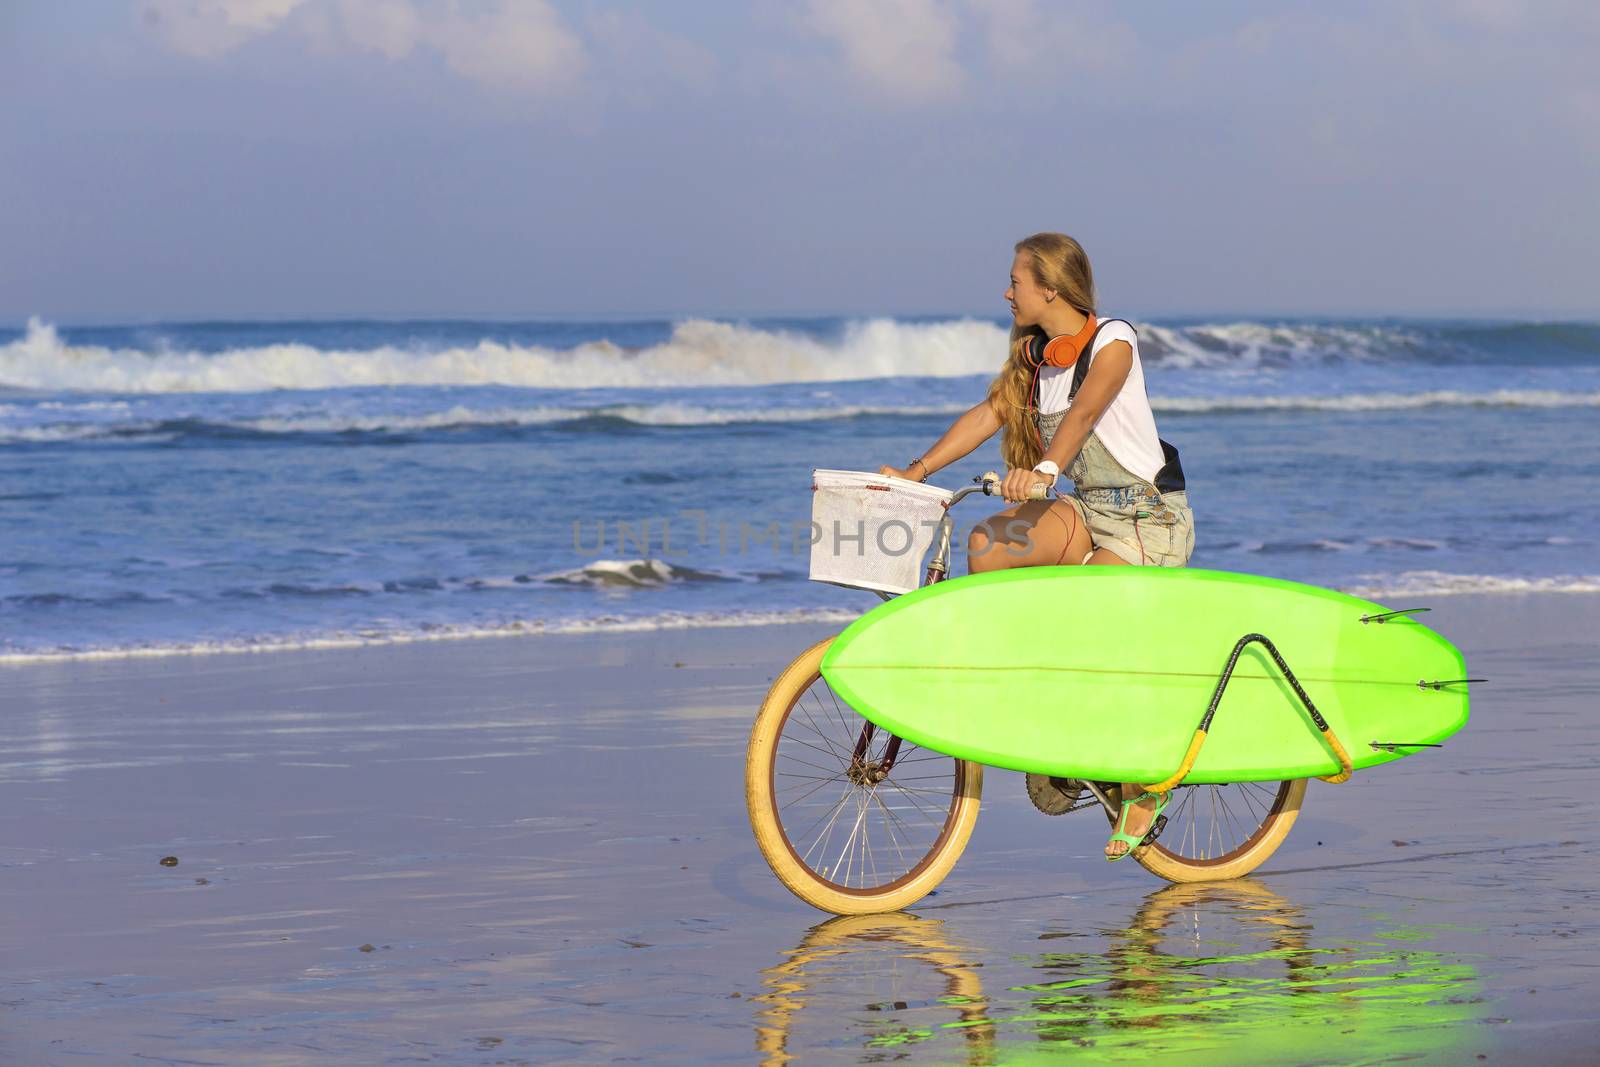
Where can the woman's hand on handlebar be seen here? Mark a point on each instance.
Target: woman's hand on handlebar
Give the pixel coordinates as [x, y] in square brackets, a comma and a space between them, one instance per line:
[1021, 484]
[914, 473]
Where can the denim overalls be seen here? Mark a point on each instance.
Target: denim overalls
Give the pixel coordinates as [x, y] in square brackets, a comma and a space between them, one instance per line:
[1123, 512]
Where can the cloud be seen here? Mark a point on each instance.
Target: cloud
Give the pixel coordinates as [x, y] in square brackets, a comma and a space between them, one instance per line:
[208, 28]
[388, 28]
[523, 44]
[901, 49]
[1049, 46]
[652, 57]
[520, 45]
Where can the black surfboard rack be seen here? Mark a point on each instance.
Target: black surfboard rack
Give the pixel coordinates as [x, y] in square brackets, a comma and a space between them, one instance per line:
[1199, 739]
[1332, 739]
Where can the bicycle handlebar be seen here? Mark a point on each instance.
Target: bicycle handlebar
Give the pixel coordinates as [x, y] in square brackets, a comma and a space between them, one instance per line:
[991, 484]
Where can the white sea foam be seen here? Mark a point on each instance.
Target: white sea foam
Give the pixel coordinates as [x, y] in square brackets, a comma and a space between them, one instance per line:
[641, 414]
[602, 624]
[699, 352]
[1329, 544]
[1247, 345]
[627, 573]
[1441, 583]
[141, 430]
[460, 418]
[1503, 398]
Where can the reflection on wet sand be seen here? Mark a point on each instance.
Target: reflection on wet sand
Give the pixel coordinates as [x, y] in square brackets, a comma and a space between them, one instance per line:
[1210, 968]
[865, 953]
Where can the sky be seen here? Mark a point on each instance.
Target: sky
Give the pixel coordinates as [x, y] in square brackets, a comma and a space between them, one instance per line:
[211, 159]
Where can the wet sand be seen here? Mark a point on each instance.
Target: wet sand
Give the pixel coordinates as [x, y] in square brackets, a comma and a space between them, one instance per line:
[534, 850]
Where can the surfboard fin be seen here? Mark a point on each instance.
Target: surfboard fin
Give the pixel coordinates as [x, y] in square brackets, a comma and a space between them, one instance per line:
[1387, 615]
[1436, 686]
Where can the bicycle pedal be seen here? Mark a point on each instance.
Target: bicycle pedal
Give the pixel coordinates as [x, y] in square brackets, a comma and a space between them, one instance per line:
[1155, 830]
[1053, 796]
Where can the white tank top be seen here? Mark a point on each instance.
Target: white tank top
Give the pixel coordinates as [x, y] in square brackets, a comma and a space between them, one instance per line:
[1127, 427]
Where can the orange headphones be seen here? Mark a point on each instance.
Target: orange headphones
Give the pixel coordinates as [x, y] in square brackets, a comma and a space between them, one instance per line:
[1060, 351]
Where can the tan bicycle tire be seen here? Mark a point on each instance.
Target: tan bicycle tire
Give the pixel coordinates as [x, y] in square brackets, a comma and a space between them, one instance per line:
[1257, 849]
[775, 847]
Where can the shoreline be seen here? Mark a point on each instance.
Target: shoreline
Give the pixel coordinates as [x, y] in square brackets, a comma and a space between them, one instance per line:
[1428, 584]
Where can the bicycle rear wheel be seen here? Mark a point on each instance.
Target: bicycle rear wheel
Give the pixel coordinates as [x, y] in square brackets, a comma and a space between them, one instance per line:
[849, 818]
[1216, 832]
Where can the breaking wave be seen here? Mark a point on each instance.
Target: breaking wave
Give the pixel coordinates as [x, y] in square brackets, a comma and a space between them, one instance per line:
[701, 352]
[698, 353]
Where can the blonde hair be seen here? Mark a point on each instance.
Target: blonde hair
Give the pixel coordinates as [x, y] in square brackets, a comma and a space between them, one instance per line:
[1059, 263]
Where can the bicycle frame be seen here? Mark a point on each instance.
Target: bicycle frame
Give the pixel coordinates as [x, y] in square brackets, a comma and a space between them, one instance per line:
[938, 571]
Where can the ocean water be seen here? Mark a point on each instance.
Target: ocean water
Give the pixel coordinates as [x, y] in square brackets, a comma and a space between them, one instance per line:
[200, 487]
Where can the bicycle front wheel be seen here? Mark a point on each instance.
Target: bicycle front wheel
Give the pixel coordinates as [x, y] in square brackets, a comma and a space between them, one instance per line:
[851, 819]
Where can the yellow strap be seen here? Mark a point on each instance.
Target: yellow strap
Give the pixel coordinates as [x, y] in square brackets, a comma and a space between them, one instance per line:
[1184, 768]
[1345, 770]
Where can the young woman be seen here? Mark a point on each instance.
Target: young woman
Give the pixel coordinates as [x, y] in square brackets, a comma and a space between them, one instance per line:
[1128, 505]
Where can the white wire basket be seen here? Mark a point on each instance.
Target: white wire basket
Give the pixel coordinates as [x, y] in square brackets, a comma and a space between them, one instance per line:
[870, 531]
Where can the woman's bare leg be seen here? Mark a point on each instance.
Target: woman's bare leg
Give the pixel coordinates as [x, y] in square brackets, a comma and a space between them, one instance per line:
[1140, 817]
[1032, 534]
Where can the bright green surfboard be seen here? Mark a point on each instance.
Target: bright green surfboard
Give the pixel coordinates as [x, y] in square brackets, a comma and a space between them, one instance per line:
[1104, 673]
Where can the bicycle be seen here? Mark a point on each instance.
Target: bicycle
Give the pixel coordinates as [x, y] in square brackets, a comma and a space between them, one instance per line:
[814, 767]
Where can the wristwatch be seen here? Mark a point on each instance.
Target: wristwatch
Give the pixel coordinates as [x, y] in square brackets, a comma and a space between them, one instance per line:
[1051, 468]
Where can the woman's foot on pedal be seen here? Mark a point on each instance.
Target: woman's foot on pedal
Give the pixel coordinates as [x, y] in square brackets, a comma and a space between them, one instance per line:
[1134, 821]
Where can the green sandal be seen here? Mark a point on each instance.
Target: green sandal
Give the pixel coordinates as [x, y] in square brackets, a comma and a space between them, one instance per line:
[1122, 820]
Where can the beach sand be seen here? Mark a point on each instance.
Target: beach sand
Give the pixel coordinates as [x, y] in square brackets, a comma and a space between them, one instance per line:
[534, 850]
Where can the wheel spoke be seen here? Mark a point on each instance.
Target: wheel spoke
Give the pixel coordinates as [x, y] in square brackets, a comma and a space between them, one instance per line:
[1211, 827]
[933, 817]
[832, 816]
[811, 777]
[866, 836]
[813, 766]
[844, 719]
[832, 750]
[890, 821]
[1225, 829]
[849, 843]
[805, 795]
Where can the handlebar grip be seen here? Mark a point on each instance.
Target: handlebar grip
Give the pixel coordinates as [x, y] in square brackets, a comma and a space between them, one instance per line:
[991, 486]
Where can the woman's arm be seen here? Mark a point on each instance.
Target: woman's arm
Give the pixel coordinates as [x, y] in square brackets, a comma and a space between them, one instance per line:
[969, 431]
[1100, 387]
